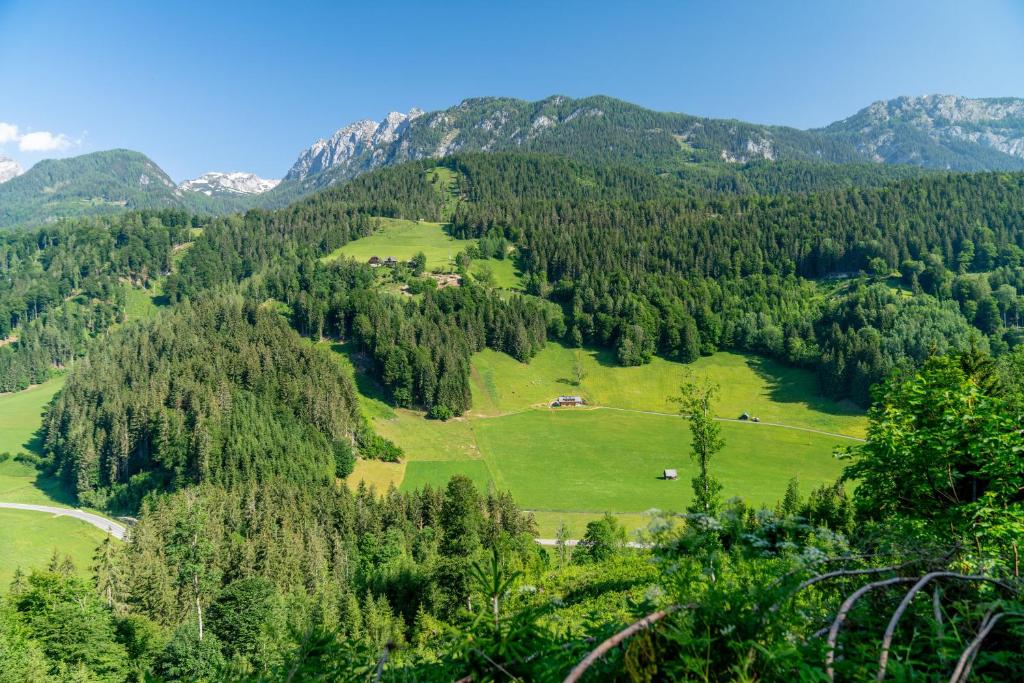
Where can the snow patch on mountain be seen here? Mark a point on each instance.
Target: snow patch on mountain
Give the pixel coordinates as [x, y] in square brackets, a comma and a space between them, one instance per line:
[9, 168]
[237, 183]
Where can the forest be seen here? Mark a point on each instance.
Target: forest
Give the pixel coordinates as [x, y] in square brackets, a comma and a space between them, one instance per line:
[224, 428]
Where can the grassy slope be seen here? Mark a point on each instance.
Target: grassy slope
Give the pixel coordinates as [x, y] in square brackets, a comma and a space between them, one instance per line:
[570, 465]
[759, 386]
[28, 539]
[403, 239]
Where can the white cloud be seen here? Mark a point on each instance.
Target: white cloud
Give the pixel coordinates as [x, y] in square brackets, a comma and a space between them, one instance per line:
[8, 133]
[38, 141]
[43, 141]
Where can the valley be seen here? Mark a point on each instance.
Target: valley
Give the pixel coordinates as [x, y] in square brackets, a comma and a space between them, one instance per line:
[511, 389]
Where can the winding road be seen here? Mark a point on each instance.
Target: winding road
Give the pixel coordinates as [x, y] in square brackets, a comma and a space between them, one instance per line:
[115, 529]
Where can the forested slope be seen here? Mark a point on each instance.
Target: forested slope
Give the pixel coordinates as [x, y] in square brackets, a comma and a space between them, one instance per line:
[219, 391]
[645, 265]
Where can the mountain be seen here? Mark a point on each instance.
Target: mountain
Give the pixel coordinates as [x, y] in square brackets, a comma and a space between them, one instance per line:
[9, 168]
[592, 129]
[933, 132]
[96, 183]
[939, 131]
[228, 184]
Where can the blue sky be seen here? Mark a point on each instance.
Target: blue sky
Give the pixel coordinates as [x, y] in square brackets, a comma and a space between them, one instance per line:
[202, 86]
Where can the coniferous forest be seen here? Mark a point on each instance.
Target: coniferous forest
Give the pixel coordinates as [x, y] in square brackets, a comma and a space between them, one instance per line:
[224, 430]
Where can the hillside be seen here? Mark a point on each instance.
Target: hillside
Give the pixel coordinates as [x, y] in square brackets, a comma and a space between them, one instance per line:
[97, 183]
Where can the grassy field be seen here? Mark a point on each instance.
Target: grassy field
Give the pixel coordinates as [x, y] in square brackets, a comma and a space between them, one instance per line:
[403, 239]
[504, 272]
[141, 303]
[751, 384]
[571, 465]
[602, 460]
[28, 539]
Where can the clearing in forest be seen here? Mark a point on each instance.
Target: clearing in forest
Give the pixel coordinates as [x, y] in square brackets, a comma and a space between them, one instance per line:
[572, 464]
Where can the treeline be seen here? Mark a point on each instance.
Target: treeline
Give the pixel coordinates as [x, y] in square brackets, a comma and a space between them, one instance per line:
[421, 348]
[218, 391]
[61, 285]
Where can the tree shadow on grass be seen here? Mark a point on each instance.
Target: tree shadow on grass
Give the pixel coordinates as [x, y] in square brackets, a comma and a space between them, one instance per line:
[606, 358]
[366, 384]
[49, 484]
[793, 385]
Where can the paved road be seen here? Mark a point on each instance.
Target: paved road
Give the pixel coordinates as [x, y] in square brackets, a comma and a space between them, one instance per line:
[745, 422]
[115, 529]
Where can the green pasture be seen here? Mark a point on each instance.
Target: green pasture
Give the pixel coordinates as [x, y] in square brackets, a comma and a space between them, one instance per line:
[404, 239]
[570, 465]
[751, 384]
[29, 540]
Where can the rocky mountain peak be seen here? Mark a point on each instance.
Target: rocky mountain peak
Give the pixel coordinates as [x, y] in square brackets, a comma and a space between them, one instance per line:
[932, 130]
[350, 142]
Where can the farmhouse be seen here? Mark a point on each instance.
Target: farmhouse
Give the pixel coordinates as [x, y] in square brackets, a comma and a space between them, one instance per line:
[391, 262]
[568, 401]
[670, 474]
[374, 261]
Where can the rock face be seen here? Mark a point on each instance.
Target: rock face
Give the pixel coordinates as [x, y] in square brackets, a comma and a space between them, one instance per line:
[352, 144]
[229, 184]
[939, 131]
[9, 168]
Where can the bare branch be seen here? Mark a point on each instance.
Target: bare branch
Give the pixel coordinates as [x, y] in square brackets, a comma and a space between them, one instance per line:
[963, 666]
[883, 660]
[615, 640]
[839, 572]
[844, 609]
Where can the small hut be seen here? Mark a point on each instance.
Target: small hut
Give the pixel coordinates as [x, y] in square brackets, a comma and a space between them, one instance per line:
[374, 261]
[670, 474]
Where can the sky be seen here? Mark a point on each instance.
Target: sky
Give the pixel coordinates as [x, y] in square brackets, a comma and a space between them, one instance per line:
[246, 86]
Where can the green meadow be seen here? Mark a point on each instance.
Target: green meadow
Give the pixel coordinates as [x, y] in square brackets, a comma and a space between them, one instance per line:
[403, 239]
[570, 465]
[28, 539]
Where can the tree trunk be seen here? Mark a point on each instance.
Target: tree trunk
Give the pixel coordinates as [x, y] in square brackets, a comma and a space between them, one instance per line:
[199, 609]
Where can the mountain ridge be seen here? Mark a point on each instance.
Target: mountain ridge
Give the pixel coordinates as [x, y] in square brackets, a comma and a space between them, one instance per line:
[938, 132]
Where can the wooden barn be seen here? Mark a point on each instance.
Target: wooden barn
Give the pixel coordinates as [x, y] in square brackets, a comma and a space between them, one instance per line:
[374, 261]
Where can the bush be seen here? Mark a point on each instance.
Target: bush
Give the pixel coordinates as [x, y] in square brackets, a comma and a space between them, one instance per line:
[373, 447]
[440, 412]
